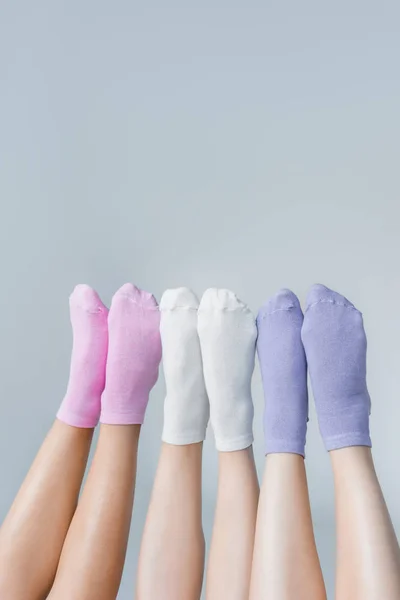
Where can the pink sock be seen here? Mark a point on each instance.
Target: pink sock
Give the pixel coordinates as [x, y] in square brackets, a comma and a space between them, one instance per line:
[133, 357]
[81, 405]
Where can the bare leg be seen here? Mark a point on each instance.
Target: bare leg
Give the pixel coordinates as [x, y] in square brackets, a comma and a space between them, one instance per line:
[368, 560]
[94, 552]
[285, 563]
[336, 346]
[34, 530]
[93, 556]
[229, 566]
[171, 559]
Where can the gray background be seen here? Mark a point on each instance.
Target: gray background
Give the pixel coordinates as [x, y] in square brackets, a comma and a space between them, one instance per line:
[249, 145]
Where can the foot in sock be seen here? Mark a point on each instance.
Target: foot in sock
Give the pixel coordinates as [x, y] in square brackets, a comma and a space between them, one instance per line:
[134, 354]
[284, 374]
[227, 333]
[81, 404]
[186, 407]
[336, 349]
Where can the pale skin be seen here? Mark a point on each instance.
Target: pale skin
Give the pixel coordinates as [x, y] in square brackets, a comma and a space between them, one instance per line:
[94, 552]
[46, 533]
[171, 558]
[368, 555]
[231, 551]
[33, 533]
[285, 563]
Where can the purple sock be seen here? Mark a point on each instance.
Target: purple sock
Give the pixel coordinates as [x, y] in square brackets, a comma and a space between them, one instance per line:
[284, 374]
[336, 348]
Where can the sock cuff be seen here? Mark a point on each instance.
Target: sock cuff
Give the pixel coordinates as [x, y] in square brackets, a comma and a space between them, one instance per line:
[239, 443]
[284, 447]
[129, 418]
[346, 440]
[349, 427]
[69, 417]
[193, 437]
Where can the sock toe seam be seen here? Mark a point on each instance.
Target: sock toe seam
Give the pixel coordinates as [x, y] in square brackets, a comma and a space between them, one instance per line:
[244, 309]
[92, 311]
[332, 302]
[170, 309]
[139, 304]
[263, 315]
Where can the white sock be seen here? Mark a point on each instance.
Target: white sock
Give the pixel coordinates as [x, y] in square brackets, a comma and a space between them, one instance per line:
[228, 333]
[186, 407]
